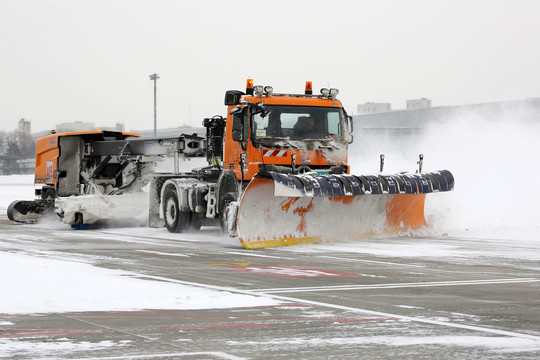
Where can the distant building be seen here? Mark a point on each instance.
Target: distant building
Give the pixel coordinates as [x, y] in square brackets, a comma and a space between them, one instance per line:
[373, 108]
[18, 157]
[25, 127]
[422, 103]
[25, 141]
[415, 121]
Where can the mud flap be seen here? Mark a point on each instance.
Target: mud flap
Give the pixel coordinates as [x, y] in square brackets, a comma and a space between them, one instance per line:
[279, 210]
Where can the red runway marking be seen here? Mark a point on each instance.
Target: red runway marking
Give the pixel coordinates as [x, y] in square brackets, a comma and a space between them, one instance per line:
[284, 305]
[289, 271]
[172, 310]
[230, 318]
[215, 326]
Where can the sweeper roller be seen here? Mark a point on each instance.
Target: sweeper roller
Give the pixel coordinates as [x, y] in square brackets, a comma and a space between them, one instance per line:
[278, 209]
[26, 211]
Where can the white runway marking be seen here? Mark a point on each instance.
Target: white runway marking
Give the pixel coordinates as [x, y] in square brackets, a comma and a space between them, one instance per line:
[372, 261]
[354, 309]
[394, 286]
[217, 354]
[161, 253]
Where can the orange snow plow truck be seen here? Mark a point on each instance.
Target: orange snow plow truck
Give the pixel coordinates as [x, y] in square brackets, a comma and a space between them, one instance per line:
[277, 175]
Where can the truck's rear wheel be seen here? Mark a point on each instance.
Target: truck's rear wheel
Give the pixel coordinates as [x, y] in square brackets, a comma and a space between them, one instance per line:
[48, 193]
[175, 220]
[195, 221]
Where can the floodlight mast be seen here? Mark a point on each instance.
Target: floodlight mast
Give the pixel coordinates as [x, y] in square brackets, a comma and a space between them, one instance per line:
[154, 77]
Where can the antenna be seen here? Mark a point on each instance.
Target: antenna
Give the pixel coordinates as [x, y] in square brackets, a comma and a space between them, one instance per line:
[420, 163]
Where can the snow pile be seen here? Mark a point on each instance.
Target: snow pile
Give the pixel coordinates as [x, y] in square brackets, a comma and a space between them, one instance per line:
[41, 285]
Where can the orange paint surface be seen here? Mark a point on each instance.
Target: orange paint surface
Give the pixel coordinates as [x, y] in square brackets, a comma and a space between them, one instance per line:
[342, 199]
[406, 210]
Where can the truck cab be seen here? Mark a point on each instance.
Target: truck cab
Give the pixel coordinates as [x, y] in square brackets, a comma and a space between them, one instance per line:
[286, 133]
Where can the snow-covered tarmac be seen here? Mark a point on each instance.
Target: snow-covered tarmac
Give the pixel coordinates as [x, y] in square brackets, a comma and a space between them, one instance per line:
[140, 293]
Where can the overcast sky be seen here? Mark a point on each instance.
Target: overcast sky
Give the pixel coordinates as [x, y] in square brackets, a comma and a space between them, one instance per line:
[68, 60]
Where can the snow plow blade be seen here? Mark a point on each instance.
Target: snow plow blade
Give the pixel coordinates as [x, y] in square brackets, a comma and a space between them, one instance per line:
[278, 209]
[28, 211]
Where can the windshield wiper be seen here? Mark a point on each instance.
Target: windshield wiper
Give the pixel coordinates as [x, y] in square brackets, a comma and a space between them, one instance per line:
[329, 144]
[277, 141]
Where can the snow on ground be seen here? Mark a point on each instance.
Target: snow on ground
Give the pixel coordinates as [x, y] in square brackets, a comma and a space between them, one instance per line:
[57, 348]
[40, 285]
[15, 187]
[502, 344]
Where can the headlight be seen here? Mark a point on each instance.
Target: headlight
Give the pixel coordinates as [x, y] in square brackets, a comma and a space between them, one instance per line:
[268, 90]
[258, 90]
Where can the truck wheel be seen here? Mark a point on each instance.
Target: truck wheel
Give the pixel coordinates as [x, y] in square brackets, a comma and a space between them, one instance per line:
[176, 220]
[225, 201]
[78, 221]
[195, 222]
[48, 194]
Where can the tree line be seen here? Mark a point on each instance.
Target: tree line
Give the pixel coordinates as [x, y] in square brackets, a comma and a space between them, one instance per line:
[17, 144]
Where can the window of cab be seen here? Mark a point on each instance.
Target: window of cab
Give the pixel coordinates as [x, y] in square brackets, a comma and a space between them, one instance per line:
[299, 122]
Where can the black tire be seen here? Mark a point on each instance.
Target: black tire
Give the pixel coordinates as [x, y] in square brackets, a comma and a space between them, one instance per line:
[195, 222]
[176, 220]
[48, 194]
[11, 211]
[78, 221]
[225, 200]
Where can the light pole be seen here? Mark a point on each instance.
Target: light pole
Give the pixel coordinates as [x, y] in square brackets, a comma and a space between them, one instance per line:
[154, 77]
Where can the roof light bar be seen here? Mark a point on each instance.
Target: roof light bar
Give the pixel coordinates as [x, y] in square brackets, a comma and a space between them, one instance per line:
[309, 88]
[249, 87]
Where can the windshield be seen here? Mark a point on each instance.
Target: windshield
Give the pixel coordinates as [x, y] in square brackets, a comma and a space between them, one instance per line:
[299, 122]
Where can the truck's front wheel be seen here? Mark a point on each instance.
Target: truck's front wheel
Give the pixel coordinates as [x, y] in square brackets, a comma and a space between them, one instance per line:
[228, 214]
[175, 220]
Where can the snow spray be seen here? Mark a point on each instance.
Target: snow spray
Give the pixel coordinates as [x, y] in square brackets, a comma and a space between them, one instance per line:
[492, 155]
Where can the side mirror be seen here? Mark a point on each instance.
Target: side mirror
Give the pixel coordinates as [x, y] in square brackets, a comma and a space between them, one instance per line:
[350, 128]
[232, 97]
